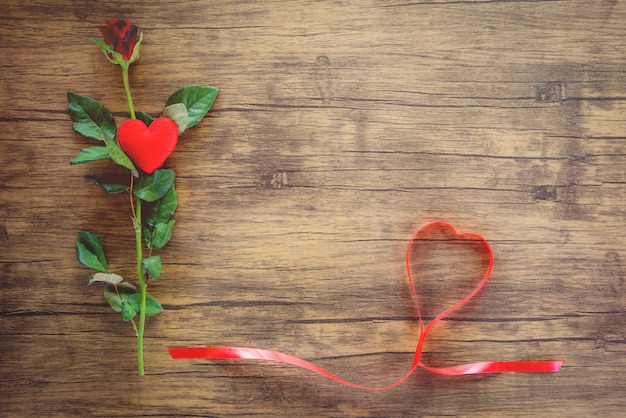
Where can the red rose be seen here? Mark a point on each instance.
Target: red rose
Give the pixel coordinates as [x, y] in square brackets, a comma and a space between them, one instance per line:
[121, 37]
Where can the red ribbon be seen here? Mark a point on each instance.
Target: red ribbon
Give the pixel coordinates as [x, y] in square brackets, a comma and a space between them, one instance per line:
[448, 232]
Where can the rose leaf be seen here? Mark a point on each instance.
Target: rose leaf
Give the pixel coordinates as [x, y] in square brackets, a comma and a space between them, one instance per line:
[144, 117]
[110, 188]
[155, 186]
[105, 277]
[152, 306]
[164, 208]
[197, 99]
[161, 234]
[89, 154]
[115, 295]
[153, 266]
[91, 119]
[178, 113]
[89, 251]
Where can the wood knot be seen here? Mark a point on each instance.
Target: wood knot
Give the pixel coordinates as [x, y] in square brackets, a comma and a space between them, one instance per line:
[275, 180]
[553, 92]
[544, 192]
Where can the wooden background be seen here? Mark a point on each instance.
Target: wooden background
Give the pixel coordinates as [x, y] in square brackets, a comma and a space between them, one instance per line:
[340, 128]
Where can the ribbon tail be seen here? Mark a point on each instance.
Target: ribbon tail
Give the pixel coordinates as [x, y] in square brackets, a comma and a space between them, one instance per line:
[499, 367]
[245, 353]
[242, 353]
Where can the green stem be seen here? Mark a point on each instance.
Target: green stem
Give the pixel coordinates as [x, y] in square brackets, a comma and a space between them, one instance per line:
[142, 286]
[127, 89]
[143, 283]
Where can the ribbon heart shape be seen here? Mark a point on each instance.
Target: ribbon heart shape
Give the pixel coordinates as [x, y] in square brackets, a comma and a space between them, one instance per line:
[148, 147]
[434, 231]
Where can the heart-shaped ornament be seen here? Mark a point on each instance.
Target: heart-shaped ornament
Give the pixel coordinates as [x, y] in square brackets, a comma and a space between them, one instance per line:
[148, 147]
[437, 251]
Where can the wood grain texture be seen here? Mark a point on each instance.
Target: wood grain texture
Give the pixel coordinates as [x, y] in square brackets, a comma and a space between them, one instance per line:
[341, 127]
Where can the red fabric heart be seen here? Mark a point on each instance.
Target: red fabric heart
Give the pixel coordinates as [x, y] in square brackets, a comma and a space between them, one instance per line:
[148, 147]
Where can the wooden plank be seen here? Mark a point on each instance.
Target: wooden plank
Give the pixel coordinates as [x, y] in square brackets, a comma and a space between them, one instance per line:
[340, 128]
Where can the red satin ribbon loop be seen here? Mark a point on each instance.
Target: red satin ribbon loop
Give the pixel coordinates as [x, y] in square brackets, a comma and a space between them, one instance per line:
[437, 228]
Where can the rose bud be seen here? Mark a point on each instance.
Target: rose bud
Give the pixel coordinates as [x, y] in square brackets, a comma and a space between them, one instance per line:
[121, 41]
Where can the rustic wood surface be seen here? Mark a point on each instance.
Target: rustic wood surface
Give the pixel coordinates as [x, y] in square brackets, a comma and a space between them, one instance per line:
[340, 128]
